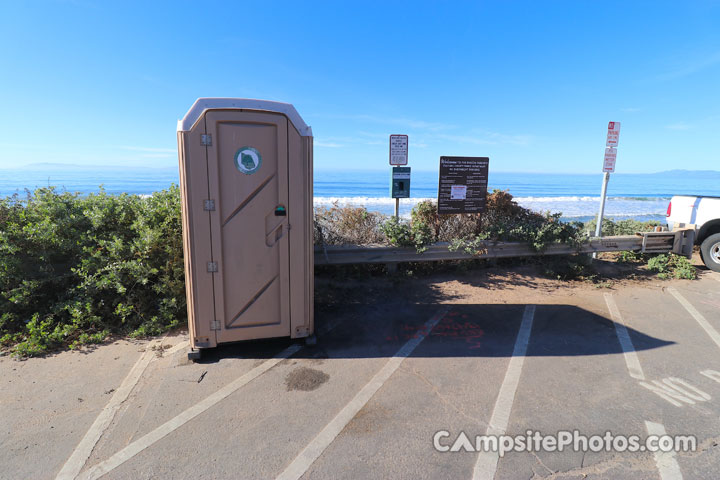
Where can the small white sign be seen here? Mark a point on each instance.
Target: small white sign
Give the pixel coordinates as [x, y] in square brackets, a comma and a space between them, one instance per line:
[613, 135]
[398, 149]
[610, 157]
[458, 192]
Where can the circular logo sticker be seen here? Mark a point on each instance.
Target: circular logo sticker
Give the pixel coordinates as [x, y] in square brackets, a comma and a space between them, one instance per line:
[248, 160]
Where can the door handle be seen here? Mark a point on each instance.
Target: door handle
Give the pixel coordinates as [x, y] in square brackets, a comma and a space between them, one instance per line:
[276, 234]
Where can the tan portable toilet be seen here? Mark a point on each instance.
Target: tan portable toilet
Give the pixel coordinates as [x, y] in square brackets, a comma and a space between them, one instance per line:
[246, 184]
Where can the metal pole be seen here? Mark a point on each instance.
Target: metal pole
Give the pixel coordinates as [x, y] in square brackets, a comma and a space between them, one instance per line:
[598, 227]
[397, 208]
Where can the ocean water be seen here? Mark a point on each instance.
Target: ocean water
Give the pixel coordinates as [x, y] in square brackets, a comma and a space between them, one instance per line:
[576, 196]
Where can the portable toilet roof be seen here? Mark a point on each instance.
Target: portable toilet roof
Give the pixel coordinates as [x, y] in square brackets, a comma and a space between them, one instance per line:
[219, 103]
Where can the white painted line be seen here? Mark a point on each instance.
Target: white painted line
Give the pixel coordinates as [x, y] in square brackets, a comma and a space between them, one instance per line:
[631, 358]
[696, 315]
[665, 461]
[317, 446]
[168, 427]
[486, 464]
[82, 452]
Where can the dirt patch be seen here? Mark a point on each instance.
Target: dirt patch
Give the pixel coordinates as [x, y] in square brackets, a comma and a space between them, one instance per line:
[305, 379]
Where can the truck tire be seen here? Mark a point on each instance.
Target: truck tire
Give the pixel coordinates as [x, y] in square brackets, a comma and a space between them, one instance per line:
[710, 251]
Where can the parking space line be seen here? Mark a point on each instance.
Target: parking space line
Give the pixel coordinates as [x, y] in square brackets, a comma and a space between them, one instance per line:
[696, 315]
[82, 451]
[631, 358]
[665, 462]
[486, 463]
[168, 427]
[317, 446]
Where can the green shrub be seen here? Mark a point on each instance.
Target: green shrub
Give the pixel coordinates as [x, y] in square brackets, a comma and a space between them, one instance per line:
[611, 227]
[397, 232]
[75, 269]
[504, 220]
[568, 267]
[672, 266]
[629, 256]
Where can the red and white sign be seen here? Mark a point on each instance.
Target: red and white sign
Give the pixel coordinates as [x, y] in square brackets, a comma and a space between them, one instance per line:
[398, 149]
[610, 157]
[613, 134]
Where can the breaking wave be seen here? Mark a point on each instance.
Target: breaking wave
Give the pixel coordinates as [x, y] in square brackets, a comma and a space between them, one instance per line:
[577, 207]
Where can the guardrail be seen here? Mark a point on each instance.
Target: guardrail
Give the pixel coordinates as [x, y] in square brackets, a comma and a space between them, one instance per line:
[678, 241]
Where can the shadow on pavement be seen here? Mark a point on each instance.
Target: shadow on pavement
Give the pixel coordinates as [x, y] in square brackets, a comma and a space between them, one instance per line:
[466, 330]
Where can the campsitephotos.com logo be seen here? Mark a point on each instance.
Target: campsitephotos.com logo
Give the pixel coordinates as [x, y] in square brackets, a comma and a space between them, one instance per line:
[533, 441]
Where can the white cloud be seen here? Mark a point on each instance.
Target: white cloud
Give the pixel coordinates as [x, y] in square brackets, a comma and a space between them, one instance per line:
[326, 144]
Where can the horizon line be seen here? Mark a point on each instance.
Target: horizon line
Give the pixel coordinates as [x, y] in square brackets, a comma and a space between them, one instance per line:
[331, 169]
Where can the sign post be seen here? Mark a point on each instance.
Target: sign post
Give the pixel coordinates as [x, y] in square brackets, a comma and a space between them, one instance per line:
[613, 137]
[399, 156]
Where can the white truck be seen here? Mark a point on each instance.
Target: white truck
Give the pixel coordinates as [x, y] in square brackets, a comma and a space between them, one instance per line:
[703, 214]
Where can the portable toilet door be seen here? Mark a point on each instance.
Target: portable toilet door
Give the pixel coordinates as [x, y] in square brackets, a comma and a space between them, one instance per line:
[246, 180]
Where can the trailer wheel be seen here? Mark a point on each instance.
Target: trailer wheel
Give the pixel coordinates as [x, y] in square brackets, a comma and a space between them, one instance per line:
[710, 251]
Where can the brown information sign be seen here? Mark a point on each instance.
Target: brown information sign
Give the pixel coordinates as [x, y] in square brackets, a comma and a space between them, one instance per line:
[463, 184]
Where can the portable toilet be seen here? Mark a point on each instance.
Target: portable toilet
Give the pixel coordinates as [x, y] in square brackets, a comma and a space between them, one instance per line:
[246, 184]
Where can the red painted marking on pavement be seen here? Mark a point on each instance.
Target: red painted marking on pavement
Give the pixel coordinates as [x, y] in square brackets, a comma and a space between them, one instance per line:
[714, 304]
[449, 326]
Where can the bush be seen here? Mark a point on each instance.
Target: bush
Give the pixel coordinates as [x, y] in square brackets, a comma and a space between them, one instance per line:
[397, 232]
[76, 269]
[672, 266]
[505, 220]
[569, 267]
[347, 226]
[621, 227]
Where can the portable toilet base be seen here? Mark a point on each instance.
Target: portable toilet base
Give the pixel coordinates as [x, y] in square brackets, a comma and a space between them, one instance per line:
[246, 187]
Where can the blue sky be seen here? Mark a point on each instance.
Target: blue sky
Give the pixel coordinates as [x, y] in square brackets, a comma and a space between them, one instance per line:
[532, 85]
